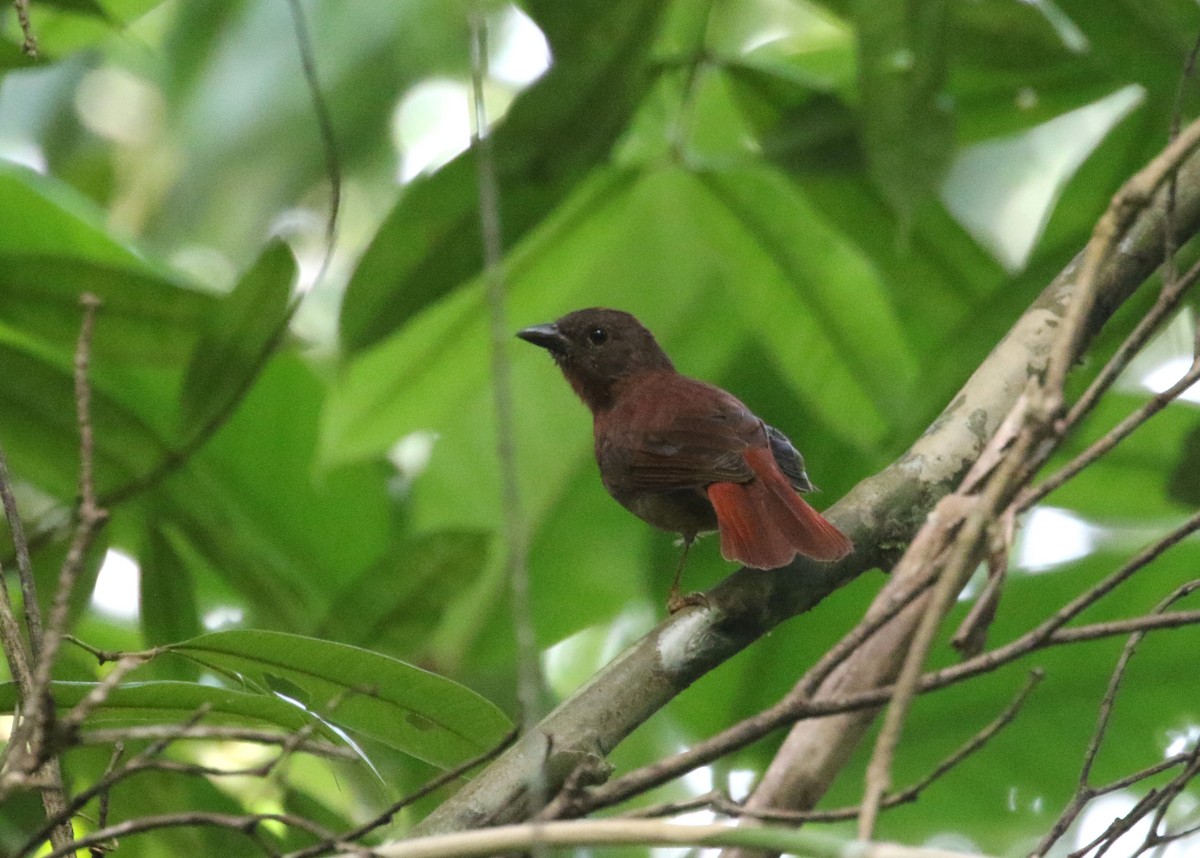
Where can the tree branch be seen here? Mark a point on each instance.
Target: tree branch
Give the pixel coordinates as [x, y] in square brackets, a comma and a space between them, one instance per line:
[881, 512]
[609, 832]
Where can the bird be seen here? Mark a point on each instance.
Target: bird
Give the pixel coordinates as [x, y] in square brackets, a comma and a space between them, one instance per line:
[683, 455]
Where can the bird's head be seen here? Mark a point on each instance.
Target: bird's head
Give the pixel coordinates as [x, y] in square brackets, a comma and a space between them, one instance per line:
[597, 348]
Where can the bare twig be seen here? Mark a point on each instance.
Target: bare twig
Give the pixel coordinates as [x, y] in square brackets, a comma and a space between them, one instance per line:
[1133, 196]
[958, 539]
[1167, 796]
[860, 634]
[106, 656]
[102, 786]
[16, 650]
[610, 832]
[29, 597]
[1168, 301]
[37, 735]
[952, 577]
[212, 733]
[530, 682]
[248, 824]
[384, 818]
[796, 705]
[105, 797]
[974, 744]
[96, 697]
[91, 516]
[333, 162]
[29, 45]
[1111, 438]
[722, 804]
[1085, 792]
[1139, 561]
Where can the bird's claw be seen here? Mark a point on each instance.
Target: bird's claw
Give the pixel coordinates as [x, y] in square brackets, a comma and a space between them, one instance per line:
[677, 601]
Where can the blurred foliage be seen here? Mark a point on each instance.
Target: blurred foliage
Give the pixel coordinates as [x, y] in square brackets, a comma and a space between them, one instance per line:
[834, 209]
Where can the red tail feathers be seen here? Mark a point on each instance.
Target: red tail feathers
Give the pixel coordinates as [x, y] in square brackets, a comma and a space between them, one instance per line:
[764, 523]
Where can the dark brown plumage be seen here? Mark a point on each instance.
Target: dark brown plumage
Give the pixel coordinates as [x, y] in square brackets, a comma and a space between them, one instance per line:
[682, 455]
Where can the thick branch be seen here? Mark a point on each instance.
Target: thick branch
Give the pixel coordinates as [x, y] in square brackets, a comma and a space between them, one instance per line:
[802, 770]
[879, 514]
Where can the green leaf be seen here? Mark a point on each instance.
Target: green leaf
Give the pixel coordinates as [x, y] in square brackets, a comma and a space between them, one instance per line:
[251, 513]
[425, 574]
[40, 435]
[43, 216]
[169, 702]
[65, 26]
[1183, 486]
[430, 242]
[1140, 466]
[420, 713]
[246, 326]
[144, 318]
[167, 592]
[907, 129]
[804, 269]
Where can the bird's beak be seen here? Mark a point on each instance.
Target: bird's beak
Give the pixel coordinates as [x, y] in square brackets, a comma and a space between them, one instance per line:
[547, 336]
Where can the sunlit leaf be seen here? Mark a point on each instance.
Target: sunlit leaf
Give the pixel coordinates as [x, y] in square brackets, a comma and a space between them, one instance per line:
[133, 703]
[425, 715]
[246, 325]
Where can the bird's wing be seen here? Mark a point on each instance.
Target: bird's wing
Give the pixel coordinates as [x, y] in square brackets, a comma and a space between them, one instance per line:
[789, 460]
[701, 444]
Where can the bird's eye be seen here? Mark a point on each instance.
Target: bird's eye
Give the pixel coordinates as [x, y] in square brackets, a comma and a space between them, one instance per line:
[597, 336]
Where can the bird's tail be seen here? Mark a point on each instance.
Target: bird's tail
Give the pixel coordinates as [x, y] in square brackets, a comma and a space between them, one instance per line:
[764, 523]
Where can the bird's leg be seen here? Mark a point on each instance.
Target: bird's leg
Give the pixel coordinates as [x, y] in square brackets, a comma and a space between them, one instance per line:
[676, 600]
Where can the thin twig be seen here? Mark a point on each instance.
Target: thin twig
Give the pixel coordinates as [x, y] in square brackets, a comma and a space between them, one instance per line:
[795, 706]
[16, 650]
[949, 583]
[530, 682]
[1111, 438]
[1133, 196]
[103, 785]
[965, 535]
[449, 776]
[29, 45]
[41, 742]
[644, 832]
[105, 797]
[247, 824]
[1136, 563]
[1167, 796]
[107, 656]
[1169, 299]
[972, 745]
[212, 733]
[29, 597]
[858, 636]
[1085, 792]
[333, 162]
[90, 518]
[722, 804]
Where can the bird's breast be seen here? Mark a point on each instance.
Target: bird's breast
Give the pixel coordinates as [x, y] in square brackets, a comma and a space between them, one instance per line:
[676, 510]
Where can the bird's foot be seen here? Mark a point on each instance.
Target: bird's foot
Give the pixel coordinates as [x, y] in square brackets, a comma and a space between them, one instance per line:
[677, 601]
